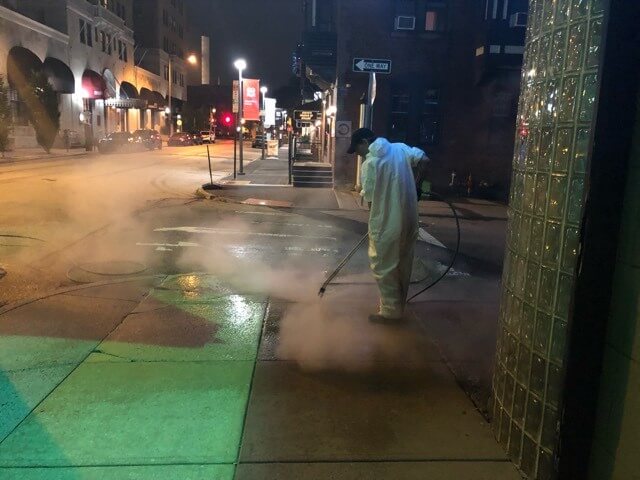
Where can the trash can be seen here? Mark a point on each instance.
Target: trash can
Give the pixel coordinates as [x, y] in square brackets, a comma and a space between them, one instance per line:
[272, 148]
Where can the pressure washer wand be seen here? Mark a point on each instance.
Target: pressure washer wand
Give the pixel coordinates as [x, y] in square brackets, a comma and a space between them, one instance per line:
[341, 265]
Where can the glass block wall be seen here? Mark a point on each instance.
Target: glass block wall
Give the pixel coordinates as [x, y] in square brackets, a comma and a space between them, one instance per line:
[558, 98]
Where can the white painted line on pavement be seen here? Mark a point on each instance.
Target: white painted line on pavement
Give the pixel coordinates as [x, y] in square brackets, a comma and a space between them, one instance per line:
[428, 238]
[179, 244]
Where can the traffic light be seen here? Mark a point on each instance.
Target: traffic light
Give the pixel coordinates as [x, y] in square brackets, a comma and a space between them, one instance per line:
[228, 120]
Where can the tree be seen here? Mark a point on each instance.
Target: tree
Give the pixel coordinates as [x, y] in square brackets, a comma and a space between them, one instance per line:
[42, 109]
[288, 96]
[5, 117]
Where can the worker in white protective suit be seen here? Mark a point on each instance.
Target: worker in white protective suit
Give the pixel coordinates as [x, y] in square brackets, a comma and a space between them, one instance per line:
[389, 185]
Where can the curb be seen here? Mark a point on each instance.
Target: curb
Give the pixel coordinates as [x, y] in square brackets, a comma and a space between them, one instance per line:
[12, 160]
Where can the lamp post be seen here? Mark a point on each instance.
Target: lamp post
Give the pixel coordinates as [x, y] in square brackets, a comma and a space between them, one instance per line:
[240, 64]
[192, 59]
[263, 90]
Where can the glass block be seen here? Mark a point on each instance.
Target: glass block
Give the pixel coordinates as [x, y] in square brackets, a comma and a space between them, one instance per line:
[554, 385]
[515, 442]
[570, 249]
[538, 92]
[597, 7]
[524, 365]
[551, 252]
[550, 108]
[503, 437]
[536, 14]
[574, 211]
[568, 99]
[562, 155]
[530, 156]
[518, 190]
[506, 270]
[538, 374]
[512, 234]
[531, 288]
[563, 300]
[558, 52]
[562, 11]
[544, 49]
[520, 279]
[579, 8]
[581, 150]
[528, 202]
[528, 323]
[595, 42]
[533, 422]
[548, 15]
[499, 383]
[588, 97]
[525, 235]
[546, 289]
[519, 403]
[509, 388]
[543, 333]
[558, 341]
[529, 457]
[557, 197]
[576, 46]
[546, 148]
[549, 428]
[512, 351]
[546, 470]
[537, 239]
[515, 315]
[534, 146]
[542, 188]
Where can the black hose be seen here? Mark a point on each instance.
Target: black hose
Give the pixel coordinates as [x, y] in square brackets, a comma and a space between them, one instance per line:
[456, 251]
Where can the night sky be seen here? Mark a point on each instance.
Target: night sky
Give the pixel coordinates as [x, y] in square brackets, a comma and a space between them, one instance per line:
[264, 32]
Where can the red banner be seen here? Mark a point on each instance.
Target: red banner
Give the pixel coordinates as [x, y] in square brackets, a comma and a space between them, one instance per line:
[251, 99]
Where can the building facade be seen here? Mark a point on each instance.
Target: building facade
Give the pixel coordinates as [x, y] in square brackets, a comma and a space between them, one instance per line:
[86, 48]
[453, 85]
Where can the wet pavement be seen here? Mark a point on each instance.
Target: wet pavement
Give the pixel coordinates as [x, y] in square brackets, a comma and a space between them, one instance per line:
[197, 348]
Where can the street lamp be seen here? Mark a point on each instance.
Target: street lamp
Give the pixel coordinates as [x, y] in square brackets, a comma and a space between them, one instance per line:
[241, 65]
[263, 90]
[192, 59]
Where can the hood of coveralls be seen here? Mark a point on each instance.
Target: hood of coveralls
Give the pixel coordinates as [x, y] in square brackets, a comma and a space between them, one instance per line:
[379, 148]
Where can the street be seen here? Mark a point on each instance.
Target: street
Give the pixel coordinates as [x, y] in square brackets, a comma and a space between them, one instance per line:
[187, 332]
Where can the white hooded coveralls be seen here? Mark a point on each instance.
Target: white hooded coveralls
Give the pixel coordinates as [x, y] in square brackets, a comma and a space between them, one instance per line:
[388, 183]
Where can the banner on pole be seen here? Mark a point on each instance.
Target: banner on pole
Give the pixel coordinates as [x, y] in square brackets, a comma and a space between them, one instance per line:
[251, 99]
[270, 112]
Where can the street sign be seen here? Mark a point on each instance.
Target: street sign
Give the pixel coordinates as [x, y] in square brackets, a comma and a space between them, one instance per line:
[371, 65]
[343, 129]
[236, 97]
[306, 115]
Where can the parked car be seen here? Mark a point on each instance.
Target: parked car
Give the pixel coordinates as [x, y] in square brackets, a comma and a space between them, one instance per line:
[117, 142]
[259, 141]
[197, 138]
[150, 139]
[208, 136]
[181, 139]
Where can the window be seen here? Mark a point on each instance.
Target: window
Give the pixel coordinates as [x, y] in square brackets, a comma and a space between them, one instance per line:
[165, 44]
[174, 76]
[431, 21]
[89, 35]
[83, 31]
[166, 72]
[109, 47]
[124, 52]
[165, 18]
[103, 39]
[173, 3]
[399, 103]
[398, 131]
[180, 31]
[120, 54]
[182, 80]
[404, 22]
[430, 121]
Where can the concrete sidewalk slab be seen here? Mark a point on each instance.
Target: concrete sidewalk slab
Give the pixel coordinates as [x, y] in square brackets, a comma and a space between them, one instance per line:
[136, 414]
[295, 416]
[148, 472]
[441, 470]
[224, 328]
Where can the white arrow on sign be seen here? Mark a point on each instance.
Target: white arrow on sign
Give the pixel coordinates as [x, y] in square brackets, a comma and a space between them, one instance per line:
[372, 66]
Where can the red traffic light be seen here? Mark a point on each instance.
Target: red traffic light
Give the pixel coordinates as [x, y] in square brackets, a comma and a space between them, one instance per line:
[228, 119]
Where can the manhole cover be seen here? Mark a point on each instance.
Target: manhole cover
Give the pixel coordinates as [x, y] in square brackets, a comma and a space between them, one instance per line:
[115, 268]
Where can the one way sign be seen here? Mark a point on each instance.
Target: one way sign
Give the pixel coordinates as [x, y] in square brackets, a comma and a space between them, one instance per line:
[371, 65]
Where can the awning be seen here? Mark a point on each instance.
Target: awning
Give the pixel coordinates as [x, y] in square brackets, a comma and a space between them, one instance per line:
[159, 100]
[21, 65]
[128, 91]
[125, 103]
[59, 75]
[93, 85]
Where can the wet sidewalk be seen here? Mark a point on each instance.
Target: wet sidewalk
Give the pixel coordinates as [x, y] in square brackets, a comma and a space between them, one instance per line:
[262, 172]
[183, 377]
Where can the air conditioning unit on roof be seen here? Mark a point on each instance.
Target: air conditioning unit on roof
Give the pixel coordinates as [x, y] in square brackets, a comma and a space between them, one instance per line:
[518, 20]
[405, 22]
